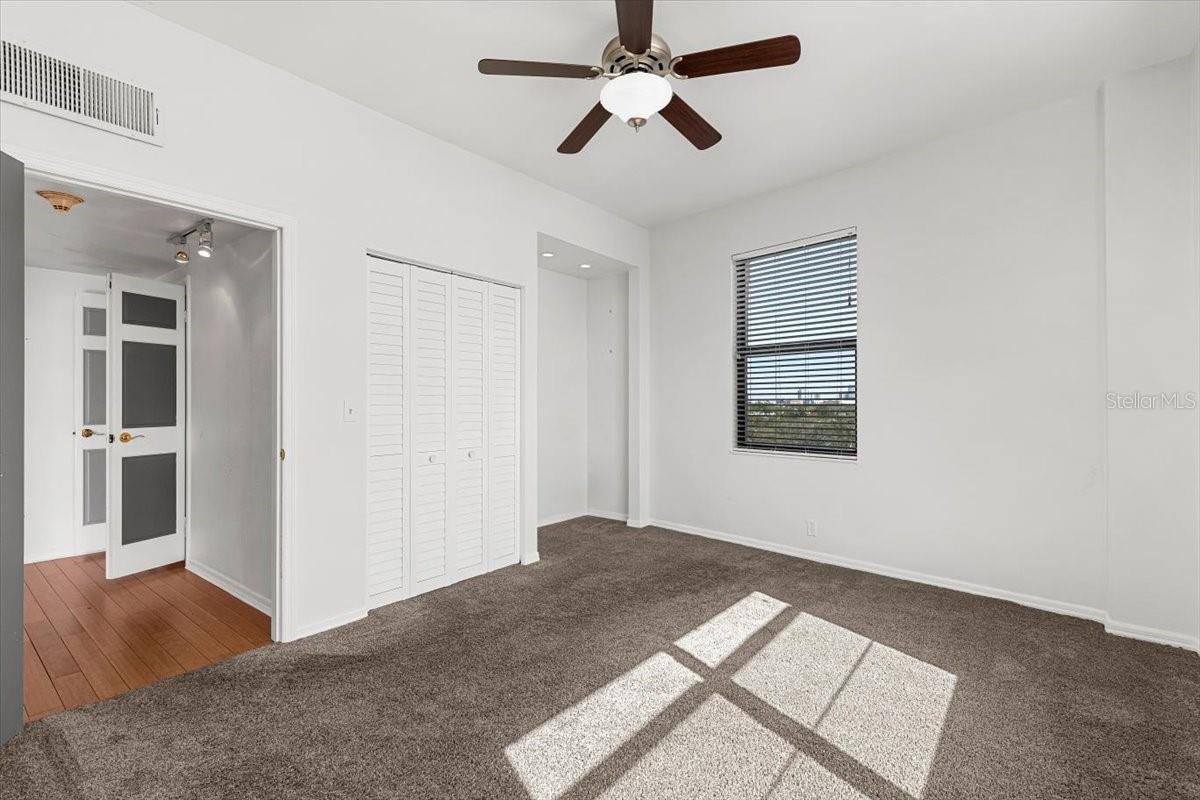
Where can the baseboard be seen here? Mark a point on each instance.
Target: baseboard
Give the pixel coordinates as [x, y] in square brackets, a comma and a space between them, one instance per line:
[557, 518]
[1156, 635]
[1032, 601]
[228, 584]
[51, 556]
[613, 515]
[330, 623]
[531, 558]
[608, 515]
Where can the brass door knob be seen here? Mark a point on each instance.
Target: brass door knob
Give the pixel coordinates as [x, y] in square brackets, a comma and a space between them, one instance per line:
[86, 432]
[127, 437]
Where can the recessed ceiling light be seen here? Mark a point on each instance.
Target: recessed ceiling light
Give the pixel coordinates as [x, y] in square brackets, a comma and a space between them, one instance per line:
[585, 266]
[547, 254]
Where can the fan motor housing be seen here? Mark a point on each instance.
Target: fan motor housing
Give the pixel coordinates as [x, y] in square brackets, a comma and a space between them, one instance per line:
[616, 60]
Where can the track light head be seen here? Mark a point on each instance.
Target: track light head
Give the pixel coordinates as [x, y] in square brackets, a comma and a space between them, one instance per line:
[181, 257]
[205, 246]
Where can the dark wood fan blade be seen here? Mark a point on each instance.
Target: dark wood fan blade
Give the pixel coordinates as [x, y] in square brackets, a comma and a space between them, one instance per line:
[585, 130]
[777, 52]
[634, 18]
[693, 126]
[538, 69]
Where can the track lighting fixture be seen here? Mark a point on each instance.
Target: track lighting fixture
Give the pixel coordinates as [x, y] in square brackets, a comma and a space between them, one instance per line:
[204, 243]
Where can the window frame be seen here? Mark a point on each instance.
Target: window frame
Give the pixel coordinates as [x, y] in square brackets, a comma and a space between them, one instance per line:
[737, 448]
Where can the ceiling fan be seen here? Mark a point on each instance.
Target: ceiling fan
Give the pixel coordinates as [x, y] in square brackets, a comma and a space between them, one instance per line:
[637, 63]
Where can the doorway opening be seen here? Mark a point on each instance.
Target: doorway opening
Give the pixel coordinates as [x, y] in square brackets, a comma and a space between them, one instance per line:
[152, 430]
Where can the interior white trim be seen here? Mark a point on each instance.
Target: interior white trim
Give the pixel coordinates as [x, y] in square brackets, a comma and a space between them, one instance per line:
[329, 623]
[557, 518]
[67, 552]
[1031, 601]
[531, 557]
[283, 627]
[228, 584]
[1131, 631]
[613, 515]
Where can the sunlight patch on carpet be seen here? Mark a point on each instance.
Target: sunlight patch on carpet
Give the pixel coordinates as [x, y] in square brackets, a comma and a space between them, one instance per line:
[553, 757]
[802, 669]
[881, 707]
[714, 641]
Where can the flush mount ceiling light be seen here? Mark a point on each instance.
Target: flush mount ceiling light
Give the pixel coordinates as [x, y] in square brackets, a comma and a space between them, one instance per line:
[585, 266]
[546, 254]
[205, 246]
[638, 62]
[61, 202]
[636, 97]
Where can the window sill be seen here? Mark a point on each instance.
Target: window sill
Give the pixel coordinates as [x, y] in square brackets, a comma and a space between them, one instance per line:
[744, 451]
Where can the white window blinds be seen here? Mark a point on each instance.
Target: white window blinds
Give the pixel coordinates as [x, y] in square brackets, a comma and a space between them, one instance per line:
[795, 348]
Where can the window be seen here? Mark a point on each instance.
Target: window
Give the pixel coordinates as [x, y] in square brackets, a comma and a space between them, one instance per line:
[795, 347]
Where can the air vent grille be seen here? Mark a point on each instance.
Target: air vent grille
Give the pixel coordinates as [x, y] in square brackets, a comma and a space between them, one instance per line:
[38, 81]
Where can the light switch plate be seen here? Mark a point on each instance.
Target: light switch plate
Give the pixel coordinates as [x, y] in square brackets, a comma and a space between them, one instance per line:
[349, 412]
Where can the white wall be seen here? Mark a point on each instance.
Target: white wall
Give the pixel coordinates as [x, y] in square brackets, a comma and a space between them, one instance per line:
[562, 396]
[1153, 286]
[608, 395]
[231, 509]
[980, 402]
[987, 261]
[51, 512]
[352, 180]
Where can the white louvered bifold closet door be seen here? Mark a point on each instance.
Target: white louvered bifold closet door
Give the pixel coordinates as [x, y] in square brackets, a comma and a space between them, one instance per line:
[432, 480]
[470, 449]
[387, 436]
[503, 426]
[443, 429]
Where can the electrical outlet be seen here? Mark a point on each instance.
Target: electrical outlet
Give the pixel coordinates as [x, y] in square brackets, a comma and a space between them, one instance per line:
[810, 527]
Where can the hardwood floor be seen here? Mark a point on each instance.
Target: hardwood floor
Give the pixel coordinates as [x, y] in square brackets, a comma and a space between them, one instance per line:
[88, 638]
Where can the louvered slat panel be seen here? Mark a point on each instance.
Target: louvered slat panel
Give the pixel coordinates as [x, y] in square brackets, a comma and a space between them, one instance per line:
[431, 482]
[470, 298]
[503, 419]
[387, 455]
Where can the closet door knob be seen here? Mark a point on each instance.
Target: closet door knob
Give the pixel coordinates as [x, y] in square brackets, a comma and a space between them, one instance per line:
[433, 459]
[470, 454]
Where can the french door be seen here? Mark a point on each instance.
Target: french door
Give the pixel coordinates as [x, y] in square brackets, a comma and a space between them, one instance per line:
[146, 418]
[90, 508]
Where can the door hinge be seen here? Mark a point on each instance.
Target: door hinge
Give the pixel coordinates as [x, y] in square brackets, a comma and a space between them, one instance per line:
[282, 454]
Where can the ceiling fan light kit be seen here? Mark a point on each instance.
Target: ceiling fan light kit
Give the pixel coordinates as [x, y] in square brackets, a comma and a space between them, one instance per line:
[636, 65]
[636, 97]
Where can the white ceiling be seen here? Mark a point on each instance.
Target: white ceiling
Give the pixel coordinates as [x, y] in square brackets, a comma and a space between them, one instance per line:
[568, 257]
[109, 232]
[873, 77]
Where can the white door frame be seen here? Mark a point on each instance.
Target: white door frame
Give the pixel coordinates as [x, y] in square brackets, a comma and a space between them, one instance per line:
[283, 620]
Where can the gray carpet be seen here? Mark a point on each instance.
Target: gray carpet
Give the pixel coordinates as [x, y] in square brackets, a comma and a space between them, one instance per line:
[651, 664]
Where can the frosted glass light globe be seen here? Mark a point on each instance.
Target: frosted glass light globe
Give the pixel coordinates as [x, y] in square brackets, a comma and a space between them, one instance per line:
[636, 97]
